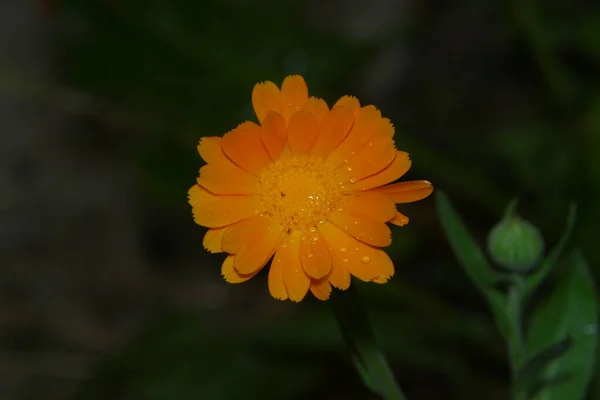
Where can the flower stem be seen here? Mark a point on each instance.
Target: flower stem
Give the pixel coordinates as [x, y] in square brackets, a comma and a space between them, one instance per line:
[358, 335]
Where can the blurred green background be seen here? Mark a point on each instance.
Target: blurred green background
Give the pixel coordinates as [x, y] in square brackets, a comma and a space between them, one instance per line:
[118, 300]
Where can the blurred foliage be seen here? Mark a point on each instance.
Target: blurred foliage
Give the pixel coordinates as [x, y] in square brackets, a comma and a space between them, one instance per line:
[496, 100]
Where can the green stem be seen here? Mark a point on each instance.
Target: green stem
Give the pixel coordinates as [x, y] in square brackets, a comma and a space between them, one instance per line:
[368, 358]
[515, 336]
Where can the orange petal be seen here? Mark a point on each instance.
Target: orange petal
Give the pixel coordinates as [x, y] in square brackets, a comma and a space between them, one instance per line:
[366, 121]
[302, 132]
[219, 211]
[276, 284]
[356, 257]
[370, 159]
[386, 267]
[348, 101]
[370, 205]
[230, 274]
[197, 195]
[295, 279]
[210, 150]
[265, 98]
[339, 276]
[316, 107]
[244, 147]
[315, 255]
[385, 128]
[407, 192]
[227, 179]
[334, 128]
[213, 239]
[321, 289]
[274, 134]
[258, 248]
[395, 170]
[364, 229]
[399, 219]
[294, 95]
[236, 235]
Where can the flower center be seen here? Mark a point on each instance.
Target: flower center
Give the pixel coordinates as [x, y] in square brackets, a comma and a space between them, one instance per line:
[301, 191]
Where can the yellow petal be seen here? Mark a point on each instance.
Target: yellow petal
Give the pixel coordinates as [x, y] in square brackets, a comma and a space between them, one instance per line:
[370, 205]
[333, 129]
[321, 289]
[302, 132]
[407, 192]
[365, 124]
[355, 256]
[316, 107]
[243, 145]
[315, 255]
[265, 98]
[274, 135]
[364, 229]
[395, 170]
[276, 284]
[230, 274]
[258, 248]
[213, 239]
[294, 95]
[295, 279]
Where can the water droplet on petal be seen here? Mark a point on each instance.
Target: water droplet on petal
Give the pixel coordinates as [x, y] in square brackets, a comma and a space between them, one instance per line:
[309, 256]
[349, 169]
[355, 222]
[315, 238]
[353, 180]
[365, 259]
[312, 229]
[345, 260]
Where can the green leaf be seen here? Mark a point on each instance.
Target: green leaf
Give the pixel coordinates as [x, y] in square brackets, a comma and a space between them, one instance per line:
[534, 280]
[572, 310]
[472, 260]
[527, 382]
[469, 255]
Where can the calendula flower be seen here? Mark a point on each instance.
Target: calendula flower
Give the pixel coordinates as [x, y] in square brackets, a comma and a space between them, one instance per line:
[304, 189]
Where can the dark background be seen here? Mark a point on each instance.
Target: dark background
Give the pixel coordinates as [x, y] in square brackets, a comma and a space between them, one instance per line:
[105, 289]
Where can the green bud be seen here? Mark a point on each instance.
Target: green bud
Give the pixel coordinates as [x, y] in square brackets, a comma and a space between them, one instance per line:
[514, 243]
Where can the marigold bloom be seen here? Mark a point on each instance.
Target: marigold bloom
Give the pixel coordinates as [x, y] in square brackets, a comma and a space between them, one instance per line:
[305, 188]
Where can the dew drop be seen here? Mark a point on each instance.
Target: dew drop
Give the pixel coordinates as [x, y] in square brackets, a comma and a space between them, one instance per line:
[349, 169]
[370, 143]
[315, 238]
[345, 260]
[355, 222]
[366, 260]
[312, 229]
[309, 256]
[343, 250]
[353, 180]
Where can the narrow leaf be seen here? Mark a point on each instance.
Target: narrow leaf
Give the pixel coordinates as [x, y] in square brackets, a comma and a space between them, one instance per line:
[469, 255]
[472, 259]
[572, 310]
[534, 280]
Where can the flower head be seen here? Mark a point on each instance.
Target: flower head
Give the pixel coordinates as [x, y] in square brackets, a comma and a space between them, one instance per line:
[305, 190]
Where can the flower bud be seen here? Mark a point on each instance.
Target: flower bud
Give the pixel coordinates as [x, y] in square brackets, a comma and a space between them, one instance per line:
[515, 244]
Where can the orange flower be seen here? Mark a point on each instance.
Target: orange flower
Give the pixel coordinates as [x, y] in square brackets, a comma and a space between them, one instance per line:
[305, 189]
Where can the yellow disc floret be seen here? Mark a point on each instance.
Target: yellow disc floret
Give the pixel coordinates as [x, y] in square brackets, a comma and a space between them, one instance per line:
[300, 191]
